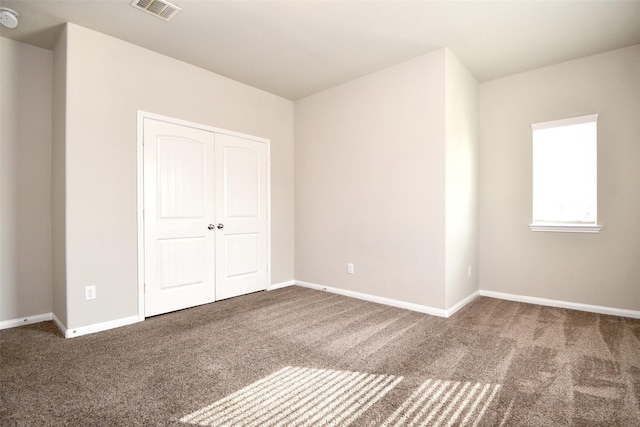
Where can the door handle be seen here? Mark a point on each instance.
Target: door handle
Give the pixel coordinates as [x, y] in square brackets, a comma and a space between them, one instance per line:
[211, 226]
[220, 226]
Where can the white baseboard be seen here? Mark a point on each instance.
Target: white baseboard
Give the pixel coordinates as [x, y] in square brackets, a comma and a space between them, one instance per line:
[281, 285]
[60, 325]
[380, 300]
[28, 320]
[451, 311]
[563, 304]
[97, 327]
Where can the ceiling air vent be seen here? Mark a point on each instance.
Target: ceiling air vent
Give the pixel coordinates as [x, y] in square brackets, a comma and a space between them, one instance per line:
[160, 8]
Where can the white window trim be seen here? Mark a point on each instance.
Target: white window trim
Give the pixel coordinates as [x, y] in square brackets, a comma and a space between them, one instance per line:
[565, 227]
[565, 122]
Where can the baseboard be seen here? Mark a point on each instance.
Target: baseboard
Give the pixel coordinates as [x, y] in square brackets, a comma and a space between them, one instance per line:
[281, 285]
[380, 300]
[563, 304]
[27, 320]
[60, 325]
[97, 327]
[456, 307]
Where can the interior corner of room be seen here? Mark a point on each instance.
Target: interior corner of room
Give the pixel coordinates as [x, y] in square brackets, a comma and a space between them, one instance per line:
[409, 186]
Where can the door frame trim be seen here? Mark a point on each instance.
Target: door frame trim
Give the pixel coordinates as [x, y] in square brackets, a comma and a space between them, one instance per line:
[140, 189]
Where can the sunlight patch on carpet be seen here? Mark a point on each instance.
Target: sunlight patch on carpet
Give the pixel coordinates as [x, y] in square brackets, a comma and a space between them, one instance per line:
[298, 397]
[444, 403]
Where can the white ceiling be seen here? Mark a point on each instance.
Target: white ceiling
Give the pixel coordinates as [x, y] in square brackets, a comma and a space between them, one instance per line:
[296, 48]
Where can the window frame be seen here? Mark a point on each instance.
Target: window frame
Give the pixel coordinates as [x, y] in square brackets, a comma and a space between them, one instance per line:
[565, 227]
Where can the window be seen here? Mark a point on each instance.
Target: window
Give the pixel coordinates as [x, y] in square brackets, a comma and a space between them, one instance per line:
[565, 175]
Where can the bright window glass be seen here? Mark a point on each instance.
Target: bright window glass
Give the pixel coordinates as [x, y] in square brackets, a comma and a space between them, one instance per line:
[565, 171]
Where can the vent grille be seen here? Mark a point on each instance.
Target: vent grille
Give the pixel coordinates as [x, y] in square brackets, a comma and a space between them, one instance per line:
[160, 8]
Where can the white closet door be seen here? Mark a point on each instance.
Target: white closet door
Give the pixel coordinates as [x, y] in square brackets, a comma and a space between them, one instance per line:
[241, 215]
[179, 210]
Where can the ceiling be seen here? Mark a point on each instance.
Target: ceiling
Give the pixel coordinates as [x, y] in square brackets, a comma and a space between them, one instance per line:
[296, 48]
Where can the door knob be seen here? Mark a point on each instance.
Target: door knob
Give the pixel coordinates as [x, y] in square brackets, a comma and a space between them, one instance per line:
[211, 226]
[220, 226]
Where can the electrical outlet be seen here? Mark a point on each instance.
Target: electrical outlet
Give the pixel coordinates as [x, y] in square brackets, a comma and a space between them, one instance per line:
[469, 271]
[89, 292]
[350, 268]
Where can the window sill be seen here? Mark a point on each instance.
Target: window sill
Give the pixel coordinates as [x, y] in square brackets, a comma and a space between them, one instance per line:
[566, 228]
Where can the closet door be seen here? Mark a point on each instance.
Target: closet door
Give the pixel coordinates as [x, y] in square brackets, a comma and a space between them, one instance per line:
[178, 217]
[241, 215]
[205, 216]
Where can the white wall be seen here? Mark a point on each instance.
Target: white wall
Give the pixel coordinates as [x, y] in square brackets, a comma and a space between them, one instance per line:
[58, 179]
[599, 269]
[25, 172]
[461, 181]
[386, 179]
[108, 81]
[370, 184]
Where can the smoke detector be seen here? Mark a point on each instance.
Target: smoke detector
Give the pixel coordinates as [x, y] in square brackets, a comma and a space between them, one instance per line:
[159, 8]
[8, 17]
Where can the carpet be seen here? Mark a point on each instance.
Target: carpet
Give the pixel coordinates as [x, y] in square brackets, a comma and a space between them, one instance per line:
[301, 357]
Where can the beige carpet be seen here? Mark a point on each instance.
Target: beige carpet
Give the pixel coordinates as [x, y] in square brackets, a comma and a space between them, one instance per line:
[298, 357]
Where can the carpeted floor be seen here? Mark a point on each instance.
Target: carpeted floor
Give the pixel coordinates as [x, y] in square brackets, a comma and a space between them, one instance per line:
[296, 356]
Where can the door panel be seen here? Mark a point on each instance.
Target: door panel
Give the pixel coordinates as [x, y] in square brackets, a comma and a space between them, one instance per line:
[242, 186]
[179, 205]
[242, 254]
[182, 176]
[182, 262]
[241, 182]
